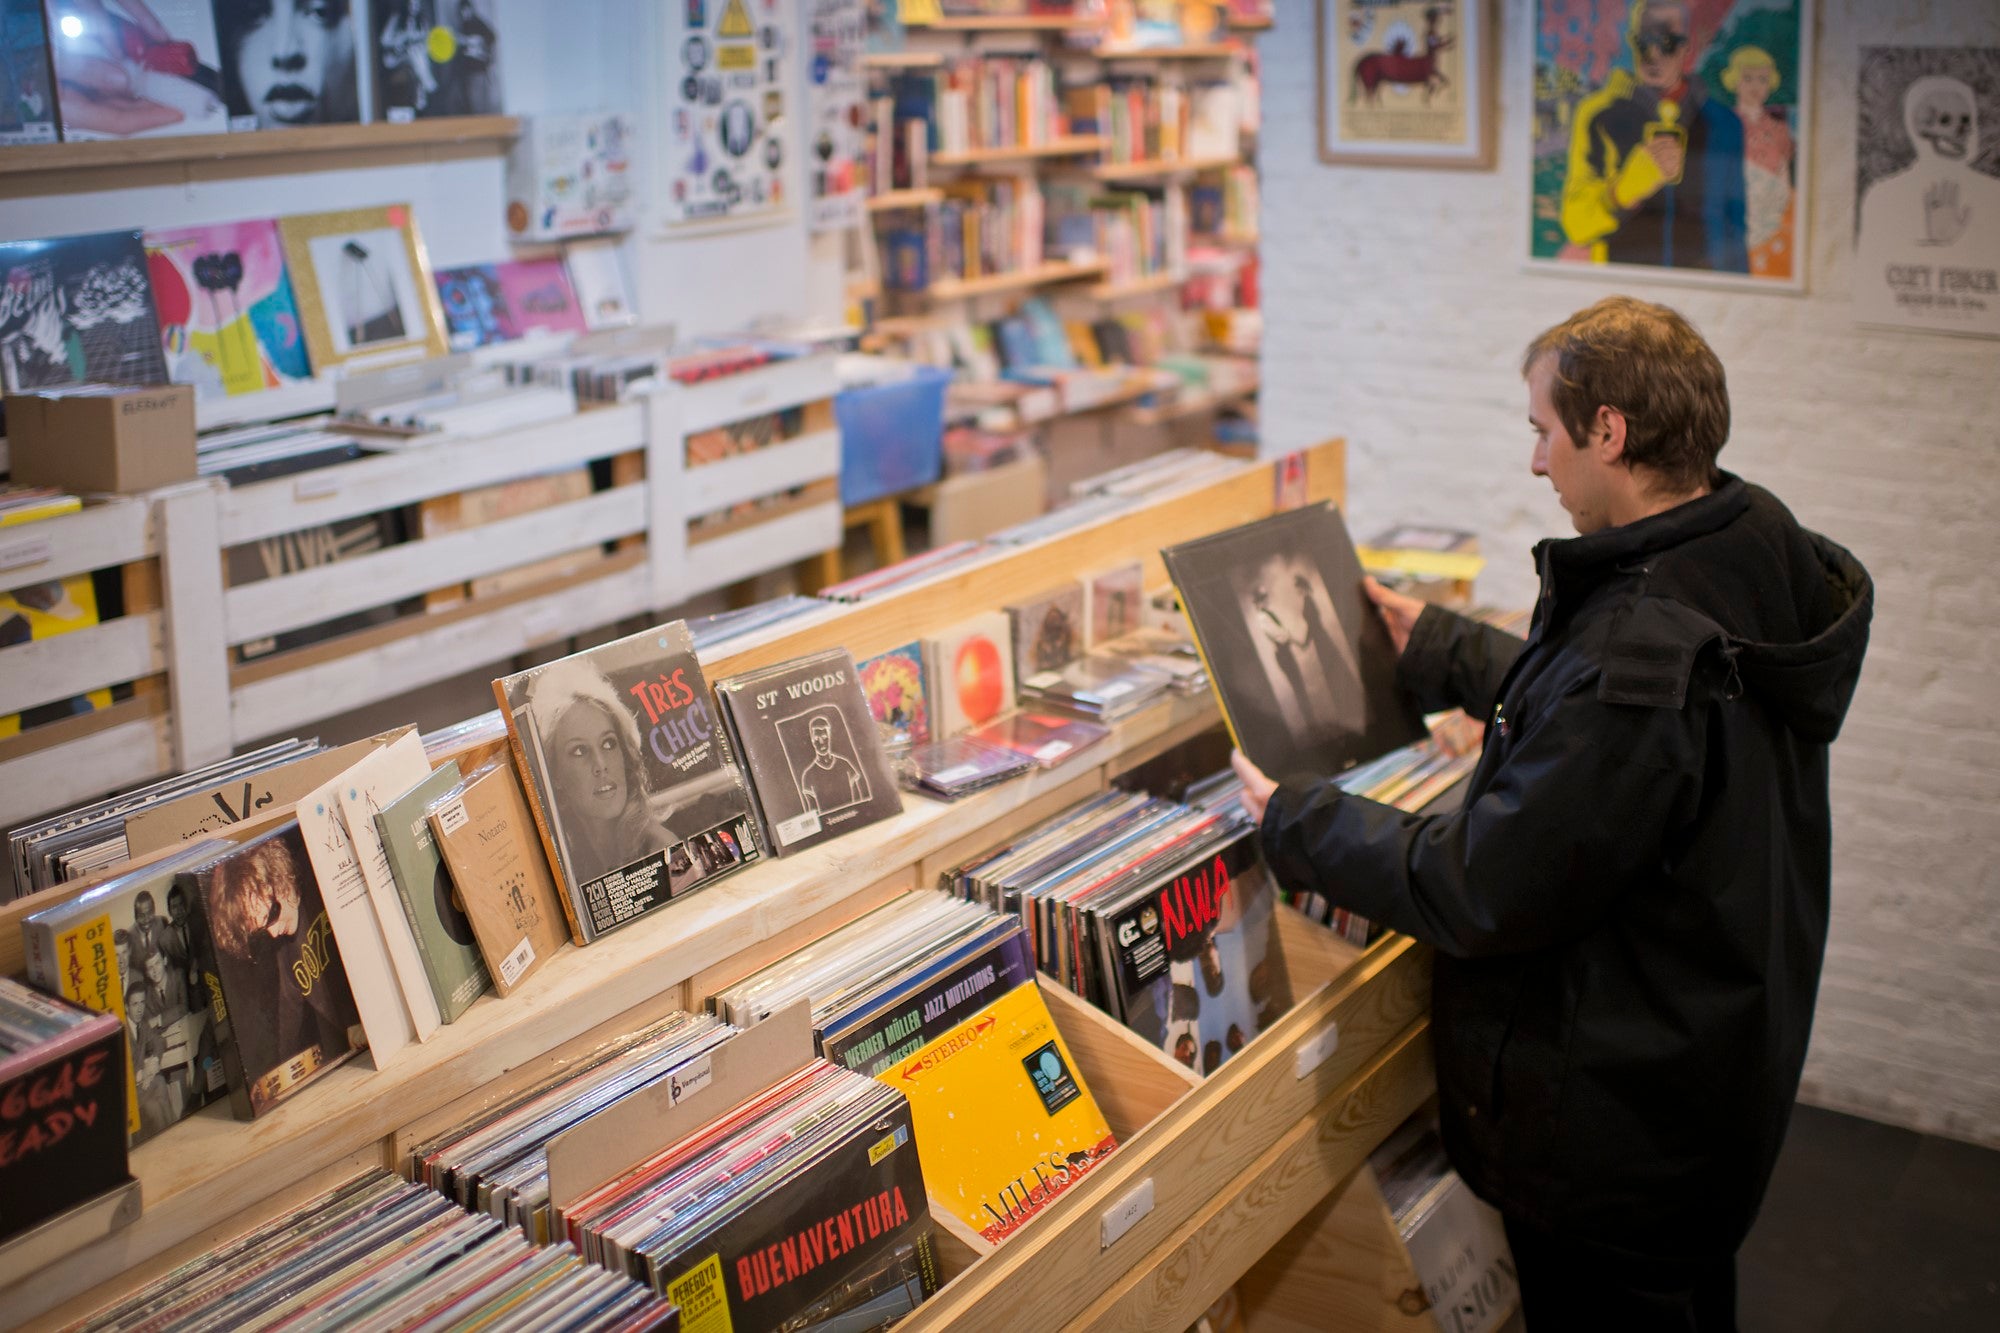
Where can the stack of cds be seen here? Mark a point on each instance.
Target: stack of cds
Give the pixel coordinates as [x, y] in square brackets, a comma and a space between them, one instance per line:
[803, 1203]
[497, 1163]
[937, 998]
[1046, 738]
[1164, 650]
[379, 1253]
[1157, 912]
[958, 766]
[1104, 686]
[91, 837]
[905, 573]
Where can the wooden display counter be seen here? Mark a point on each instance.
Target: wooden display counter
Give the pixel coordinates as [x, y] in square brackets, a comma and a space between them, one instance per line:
[1209, 1176]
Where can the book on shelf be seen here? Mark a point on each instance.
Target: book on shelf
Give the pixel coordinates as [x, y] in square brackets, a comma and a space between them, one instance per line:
[279, 993]
[445, 941]
[809, 742]
[1299, 658]
[630, 776]
[486, 836]
[126, 948]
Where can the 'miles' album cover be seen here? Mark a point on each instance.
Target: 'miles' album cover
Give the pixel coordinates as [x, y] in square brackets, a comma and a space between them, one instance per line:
[77, 310]
[815, 758]
[630, 778]
[1195, 963]
[1300, 659]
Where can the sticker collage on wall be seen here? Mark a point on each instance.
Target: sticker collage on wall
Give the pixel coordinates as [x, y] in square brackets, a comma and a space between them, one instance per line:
[835, 94]
[725, 154]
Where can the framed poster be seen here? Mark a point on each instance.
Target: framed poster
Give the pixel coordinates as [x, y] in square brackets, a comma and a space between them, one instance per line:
[1927, 189]
[1406, 83]
[836, 93]
[1671, 138]
[363, 286]
[727, 122]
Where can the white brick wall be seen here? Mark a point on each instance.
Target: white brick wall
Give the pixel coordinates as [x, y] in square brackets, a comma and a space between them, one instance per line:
[1396, 313]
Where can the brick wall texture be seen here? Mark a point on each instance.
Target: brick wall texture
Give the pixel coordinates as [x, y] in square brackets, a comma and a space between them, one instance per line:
[1396, 311]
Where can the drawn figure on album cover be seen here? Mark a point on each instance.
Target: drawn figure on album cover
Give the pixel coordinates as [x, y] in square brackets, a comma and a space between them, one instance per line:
[370, 309]
[1290, 615]
[289, 62]
[275, 945]
[828, 778]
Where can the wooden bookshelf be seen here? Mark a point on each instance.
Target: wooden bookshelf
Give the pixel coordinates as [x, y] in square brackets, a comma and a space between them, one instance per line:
[891, 200]
[1010, 23]
[1043, 275]
[1075, 145]
[1192, 51]
[903, 60]
[1146, 286]
[1159, 168]
[299, 147]
[1191, 405]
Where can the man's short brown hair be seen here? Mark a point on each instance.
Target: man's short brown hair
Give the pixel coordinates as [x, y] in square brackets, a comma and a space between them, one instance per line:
[1648, 363]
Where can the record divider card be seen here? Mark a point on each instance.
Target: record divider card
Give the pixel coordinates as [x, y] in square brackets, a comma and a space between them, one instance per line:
[630, 1131]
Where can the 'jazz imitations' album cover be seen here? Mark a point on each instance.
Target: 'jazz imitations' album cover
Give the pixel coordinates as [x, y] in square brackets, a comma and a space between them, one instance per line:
[630, 777]
[1301, 661]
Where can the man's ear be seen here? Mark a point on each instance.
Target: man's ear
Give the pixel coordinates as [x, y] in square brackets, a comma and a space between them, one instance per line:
[1607, 434]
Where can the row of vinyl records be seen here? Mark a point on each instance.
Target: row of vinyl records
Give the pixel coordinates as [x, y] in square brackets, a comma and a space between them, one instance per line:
[1001, 103]
[780, 1156]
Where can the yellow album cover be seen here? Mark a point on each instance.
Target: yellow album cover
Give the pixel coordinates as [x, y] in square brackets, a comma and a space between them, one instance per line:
[1003, 1120]
[42, 611]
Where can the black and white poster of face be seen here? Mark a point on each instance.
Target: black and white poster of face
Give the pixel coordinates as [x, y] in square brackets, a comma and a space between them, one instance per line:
[368, 289]
[1927, 189]
[287, 63]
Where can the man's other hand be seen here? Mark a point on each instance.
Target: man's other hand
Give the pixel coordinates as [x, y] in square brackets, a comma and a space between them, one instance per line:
[1399, 612]
[1257, 788]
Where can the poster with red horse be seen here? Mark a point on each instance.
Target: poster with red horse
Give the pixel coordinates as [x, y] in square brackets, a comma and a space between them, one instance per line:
[1406, 82]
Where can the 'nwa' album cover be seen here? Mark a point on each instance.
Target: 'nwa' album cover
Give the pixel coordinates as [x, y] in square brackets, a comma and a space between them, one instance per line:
[1197, 966]
[1299, 657]
[630, 777]
[77, 310]
[815, 759]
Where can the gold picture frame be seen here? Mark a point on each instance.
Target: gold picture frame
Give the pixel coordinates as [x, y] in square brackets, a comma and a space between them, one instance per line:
[1408, 83]
[363, 286]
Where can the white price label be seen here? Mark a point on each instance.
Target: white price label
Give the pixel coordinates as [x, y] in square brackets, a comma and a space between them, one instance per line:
[946, 776]
[1115, 689]
[689, 1079]
[314, 486]
[23, 554]
[517, 962]
[1315, 1051]
[1043, 680]
[1122, 1216]
[798, 826]
[452, 818]
[1052, 751]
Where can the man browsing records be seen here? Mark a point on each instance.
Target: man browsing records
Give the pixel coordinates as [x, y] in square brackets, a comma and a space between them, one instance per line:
[1630, 907]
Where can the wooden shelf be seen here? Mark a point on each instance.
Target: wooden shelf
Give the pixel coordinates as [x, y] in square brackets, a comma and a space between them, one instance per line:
[1193, 405]
[1226, 240]
[98, 154]
[1046, 275]
[895, 199]
[903, 60]
[1010, 23]
[1160, 167]
[1192, 51]
[1076, 145]
[1146, 286]
[1249, 25]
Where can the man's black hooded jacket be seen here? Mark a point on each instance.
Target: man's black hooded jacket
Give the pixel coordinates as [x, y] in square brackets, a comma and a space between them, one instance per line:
[1630, 908]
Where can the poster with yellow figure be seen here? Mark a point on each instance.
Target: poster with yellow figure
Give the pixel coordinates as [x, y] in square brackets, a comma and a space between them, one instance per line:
[227, 318]
[42, 611]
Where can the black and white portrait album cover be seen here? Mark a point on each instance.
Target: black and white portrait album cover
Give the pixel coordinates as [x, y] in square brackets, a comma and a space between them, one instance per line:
[813, 751]
[630, 777]
[1300, 659]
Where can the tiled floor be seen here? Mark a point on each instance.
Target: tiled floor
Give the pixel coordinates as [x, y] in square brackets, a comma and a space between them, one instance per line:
[1869, 1229]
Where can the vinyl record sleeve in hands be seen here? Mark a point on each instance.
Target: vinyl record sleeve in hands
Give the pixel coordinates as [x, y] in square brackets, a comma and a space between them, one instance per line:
[1299, 657]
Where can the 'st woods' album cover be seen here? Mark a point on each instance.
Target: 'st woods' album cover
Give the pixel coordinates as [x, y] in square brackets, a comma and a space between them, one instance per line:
[815, 758]
[1197, 966]
[632, 783]
[1299, 657]
[77, 310]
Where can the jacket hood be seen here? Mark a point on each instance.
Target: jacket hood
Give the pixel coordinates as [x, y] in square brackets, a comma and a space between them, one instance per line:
[1811, 682]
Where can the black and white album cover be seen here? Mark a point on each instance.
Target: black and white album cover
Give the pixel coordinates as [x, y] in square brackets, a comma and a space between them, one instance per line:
[813, 751]
[78, 310]
[631, 779]
[1301, 661]
[288, 62]
[436, 58]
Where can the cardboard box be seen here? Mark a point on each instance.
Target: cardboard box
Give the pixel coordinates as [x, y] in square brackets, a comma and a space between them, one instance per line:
[979, 504]
[118, 440]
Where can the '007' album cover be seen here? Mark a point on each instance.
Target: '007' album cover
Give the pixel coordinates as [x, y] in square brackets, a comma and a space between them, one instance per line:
[629, 775]
[1300, 659]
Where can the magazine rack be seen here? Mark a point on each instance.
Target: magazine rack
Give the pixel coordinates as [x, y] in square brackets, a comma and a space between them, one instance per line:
[1210, 1176]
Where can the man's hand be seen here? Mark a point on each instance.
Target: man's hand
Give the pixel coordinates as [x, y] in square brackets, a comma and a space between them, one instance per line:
[1670, 156]
[1257, 788]
[1399, 612]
